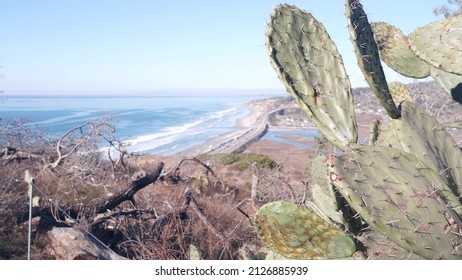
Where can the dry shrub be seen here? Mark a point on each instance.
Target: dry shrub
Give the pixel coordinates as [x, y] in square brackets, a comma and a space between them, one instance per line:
[149, 241]
[234, 228]
[77, 179]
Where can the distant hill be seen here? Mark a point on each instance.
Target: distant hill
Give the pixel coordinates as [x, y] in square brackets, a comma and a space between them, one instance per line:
[426, 94]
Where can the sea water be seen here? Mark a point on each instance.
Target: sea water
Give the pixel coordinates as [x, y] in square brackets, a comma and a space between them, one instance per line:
[161, 124]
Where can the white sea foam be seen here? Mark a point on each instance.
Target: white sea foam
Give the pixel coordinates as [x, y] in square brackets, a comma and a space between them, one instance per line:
[171, 139]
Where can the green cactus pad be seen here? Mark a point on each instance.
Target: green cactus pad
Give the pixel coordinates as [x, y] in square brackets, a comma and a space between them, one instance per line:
[394, 51]
[367, 54]
[438, 44]
[295, 232]
[400, 92]
[323, 192]
[308, 63]
[400, 197]
[424, 137]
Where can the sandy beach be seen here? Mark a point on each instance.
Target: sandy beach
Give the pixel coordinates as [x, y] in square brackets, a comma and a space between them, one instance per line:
[247, 130]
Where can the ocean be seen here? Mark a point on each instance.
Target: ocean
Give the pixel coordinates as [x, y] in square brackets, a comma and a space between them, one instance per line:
[161, 124]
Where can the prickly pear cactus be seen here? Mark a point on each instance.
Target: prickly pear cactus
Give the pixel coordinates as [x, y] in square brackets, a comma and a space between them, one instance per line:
[394, 51]
[295, 232]
[405, 186]
[273, 256]
[379, 247]
[324, 199]
[438, 44]
[308, 63]
[400, 92]
[367, 54]
[400, 197]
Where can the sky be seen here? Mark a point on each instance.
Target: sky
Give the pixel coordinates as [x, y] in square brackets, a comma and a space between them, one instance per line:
[136, 46]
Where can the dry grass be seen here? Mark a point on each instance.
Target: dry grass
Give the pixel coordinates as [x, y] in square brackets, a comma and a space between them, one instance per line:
[217, 223]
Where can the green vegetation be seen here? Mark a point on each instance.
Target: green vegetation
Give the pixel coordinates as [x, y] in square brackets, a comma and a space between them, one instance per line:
[244, 161]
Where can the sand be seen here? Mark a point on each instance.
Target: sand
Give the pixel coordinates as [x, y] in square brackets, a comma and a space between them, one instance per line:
[247, 130]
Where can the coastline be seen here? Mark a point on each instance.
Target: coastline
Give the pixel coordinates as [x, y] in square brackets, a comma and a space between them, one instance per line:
[249, 131]
[246, 131]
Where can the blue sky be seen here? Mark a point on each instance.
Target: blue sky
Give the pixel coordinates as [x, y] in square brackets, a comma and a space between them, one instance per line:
[122, 46]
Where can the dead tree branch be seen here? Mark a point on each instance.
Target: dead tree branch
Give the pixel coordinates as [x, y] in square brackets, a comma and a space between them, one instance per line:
[132, 190]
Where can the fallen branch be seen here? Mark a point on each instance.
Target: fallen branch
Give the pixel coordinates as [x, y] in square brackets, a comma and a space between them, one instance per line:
[132, 190]
[9, 154]
[176, 169]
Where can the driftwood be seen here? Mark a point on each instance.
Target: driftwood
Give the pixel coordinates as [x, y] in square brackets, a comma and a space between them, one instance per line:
[72, 244]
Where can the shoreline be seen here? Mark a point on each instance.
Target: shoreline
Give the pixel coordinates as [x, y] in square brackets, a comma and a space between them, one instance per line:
[246, 131]
[250, 129]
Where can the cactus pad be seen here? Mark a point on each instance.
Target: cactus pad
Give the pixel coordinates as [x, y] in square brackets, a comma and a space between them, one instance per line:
[296, 232]
[400, 92]
[324, 199]
[367, 54]
[400, 197]
[383, 135]
[438, 44]
[308, 63]
[394, 51]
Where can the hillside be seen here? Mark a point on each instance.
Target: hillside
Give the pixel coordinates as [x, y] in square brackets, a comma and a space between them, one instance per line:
[149, 207]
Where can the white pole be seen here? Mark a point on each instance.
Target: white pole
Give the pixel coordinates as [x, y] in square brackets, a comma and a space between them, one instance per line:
[30, 181]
